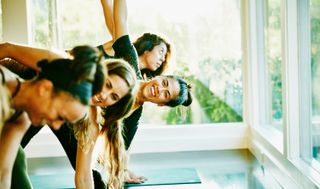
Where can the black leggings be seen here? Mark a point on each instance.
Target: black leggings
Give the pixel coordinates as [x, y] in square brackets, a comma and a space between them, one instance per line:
[69, 143]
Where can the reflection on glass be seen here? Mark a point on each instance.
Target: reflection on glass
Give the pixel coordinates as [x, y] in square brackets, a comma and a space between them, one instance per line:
[273, 60]
[315, 73]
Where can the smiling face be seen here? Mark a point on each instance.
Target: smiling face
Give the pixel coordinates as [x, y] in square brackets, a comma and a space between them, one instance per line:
[155, 57]
[160, 90]
[114, 89]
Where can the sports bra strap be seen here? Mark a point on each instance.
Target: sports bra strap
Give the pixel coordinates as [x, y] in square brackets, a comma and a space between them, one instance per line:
[3, 78]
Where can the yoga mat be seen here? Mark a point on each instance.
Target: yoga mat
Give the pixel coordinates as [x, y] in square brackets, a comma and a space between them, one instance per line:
[171, 176]
[57, 181]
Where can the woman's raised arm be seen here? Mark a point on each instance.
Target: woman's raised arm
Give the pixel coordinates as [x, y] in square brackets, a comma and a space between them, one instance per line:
[28, 56]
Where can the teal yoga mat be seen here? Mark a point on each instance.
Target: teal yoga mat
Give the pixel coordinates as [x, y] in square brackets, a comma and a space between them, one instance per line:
[171, 176]
[59, 181]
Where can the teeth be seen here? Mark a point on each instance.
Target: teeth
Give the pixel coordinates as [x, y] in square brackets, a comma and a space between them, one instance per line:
[98, 99]
[153, 90]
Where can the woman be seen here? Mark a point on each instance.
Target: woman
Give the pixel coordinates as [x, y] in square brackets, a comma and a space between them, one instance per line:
[116, 94]
[152, 54]
[123, 49]
[48, 99]
[154, 51]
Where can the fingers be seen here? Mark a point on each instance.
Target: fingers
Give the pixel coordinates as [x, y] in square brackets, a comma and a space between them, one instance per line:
[136, 180]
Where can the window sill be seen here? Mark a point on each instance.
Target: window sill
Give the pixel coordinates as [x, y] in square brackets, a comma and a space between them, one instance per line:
[160, 139]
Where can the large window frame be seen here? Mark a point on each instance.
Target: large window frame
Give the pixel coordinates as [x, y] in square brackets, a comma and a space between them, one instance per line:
[291, 161]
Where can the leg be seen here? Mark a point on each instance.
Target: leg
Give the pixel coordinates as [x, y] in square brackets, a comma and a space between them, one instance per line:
[20, 178]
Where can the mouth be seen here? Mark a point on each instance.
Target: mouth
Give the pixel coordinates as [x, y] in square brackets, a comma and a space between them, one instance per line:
[153, 90]
[98, 98]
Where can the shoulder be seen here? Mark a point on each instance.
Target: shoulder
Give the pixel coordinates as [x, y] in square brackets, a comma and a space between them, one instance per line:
[7, 74]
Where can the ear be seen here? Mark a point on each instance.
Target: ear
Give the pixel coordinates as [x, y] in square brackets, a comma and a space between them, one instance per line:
[45, 88]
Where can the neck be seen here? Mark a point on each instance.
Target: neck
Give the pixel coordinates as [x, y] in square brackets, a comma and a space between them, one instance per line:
[142, 63]
[20, 99]
[139, 97]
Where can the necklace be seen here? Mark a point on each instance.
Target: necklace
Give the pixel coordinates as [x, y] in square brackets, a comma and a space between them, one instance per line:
[17, 88]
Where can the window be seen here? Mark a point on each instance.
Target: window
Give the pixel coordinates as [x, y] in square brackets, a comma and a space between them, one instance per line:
[272, 41]
[207, 44]
[208, 54]
[315, 74]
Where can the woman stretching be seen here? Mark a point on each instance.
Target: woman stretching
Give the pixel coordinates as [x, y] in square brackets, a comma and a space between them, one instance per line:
[60, 93]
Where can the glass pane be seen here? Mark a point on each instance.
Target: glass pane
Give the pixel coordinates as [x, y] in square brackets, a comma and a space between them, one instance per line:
[207, 49]
[82, 23]
[315, 73]
[40, 23]
[273, 60]
[208, 54]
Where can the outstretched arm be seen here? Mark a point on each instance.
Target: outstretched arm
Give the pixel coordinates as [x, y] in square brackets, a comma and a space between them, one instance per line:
[107, 6]
[120, 17]
[9, 144]
[116, 16]
[84, 176]
[26, 55]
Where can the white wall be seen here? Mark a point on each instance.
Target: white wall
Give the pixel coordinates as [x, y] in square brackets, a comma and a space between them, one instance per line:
[14, 20]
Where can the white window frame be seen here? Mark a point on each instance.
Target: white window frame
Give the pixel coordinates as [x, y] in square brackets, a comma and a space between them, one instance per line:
[287, 166]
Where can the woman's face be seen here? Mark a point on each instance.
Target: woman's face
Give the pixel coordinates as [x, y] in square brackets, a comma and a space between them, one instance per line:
[161, 90]
[115, 89]
[156, 56]
[55, 109]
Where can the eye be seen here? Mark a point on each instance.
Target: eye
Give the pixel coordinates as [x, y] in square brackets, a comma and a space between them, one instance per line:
[114, 97]
[108, 84]
[165, 83]
[167, 95]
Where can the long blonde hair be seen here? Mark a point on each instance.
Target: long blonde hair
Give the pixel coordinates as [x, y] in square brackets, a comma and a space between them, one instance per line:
[113, 156]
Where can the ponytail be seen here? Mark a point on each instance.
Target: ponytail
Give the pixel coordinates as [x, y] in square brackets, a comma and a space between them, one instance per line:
[184, 98]
[82, 76]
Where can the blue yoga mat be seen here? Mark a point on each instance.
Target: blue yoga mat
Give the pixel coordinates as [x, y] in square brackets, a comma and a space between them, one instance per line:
[60, 181]
[171, 176]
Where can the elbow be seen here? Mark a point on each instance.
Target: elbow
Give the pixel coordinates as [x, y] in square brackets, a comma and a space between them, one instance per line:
[6, 48]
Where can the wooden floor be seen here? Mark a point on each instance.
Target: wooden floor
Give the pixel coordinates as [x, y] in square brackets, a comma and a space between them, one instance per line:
[226, 169]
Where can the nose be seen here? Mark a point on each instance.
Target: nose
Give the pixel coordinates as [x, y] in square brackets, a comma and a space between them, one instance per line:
[162, 58]
[104, 95]
[160, 89]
